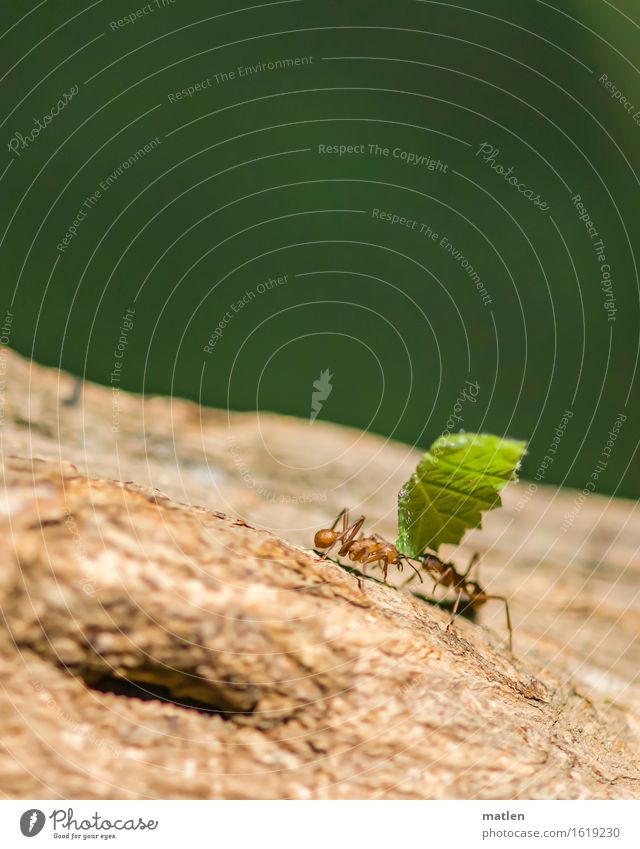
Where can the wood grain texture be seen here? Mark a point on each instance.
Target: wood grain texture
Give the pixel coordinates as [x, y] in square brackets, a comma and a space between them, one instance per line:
[294, 682]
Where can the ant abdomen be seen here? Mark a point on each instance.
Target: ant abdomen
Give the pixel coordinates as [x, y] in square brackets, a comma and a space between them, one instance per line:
[324, 538]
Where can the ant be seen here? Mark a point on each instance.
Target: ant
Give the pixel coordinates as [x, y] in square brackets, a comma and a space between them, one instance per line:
[363, 550]
[374, 549]
[446, 575]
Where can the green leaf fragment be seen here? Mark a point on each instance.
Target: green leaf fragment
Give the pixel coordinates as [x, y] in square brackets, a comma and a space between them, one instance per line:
[458, 479]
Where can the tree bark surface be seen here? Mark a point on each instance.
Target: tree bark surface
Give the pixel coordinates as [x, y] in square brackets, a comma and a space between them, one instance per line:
[166, 632]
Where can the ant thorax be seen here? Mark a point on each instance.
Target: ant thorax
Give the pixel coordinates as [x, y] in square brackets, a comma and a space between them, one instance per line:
[364, 548]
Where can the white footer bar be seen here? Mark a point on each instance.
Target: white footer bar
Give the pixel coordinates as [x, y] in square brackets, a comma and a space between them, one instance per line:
[320, 825]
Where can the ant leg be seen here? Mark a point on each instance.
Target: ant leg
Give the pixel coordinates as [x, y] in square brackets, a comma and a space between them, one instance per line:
[344, 515]
[326, 552]
[455, 609]
[385, 567]
[348, 536]
[472, 563]
[382, 560]
[506, 610]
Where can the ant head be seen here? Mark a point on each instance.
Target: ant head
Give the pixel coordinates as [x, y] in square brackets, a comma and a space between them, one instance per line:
[430, 561]
[325, 538]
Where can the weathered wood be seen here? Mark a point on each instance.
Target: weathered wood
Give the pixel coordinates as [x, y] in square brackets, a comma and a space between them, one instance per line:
[295, 682]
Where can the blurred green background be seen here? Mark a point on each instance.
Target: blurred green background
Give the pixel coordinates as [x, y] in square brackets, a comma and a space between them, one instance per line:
[236, 191]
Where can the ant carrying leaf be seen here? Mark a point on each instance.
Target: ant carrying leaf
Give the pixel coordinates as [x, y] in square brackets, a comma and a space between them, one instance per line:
[360, 549]
[456, 480]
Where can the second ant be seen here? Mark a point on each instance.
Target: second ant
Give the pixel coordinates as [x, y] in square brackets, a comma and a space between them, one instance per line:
[374, 550]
